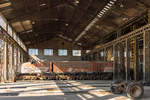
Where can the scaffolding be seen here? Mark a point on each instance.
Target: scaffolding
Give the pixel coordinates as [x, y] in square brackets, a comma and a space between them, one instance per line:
[131, 54]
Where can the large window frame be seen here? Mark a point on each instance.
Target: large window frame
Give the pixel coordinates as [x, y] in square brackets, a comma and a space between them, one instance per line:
[62, 52]
[48, 52]
[76, 53]
[33, 51]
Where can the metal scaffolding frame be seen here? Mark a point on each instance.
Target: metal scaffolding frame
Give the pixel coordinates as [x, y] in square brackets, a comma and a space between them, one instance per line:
[144, 33]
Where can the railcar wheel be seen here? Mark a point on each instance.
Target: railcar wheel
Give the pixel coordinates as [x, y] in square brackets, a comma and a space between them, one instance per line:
[135, 90]
[116, 90]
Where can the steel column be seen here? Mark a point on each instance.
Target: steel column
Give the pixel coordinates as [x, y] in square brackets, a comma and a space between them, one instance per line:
[127, 65]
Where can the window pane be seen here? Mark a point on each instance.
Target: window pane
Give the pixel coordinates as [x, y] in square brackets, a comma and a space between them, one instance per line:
[102, 54]
[48, 52]
[62, 52]
[33, 51]
[76, 53]
[87, 51]
[9, 30]
[14, 36]
[2, 22]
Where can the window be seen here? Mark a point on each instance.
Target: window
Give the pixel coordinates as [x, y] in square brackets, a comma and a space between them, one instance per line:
[14, 36]
[2, 22]
[48, 52]
[76, 53]
[87, 51]
[102, 53]
[33, 51]
[62, 52]
[9, 30]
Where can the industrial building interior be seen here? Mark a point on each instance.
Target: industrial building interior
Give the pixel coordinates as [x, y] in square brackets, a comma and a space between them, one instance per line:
[74, 49]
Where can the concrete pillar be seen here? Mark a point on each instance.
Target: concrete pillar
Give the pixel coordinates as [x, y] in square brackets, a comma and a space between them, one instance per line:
[16, 59]
[22, 57]
[4, 76]
[19, 62]
[2, 65]
[11, 64]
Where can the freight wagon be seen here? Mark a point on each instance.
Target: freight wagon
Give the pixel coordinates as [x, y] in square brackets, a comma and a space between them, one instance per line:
[80, 66]
[69, 70]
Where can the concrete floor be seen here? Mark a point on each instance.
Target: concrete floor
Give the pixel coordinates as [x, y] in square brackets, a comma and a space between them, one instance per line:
[61, 90]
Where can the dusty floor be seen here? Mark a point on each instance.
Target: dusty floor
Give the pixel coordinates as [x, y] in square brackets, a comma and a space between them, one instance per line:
[61, 90]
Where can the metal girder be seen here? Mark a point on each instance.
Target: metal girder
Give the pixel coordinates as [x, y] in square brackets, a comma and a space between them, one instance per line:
[3, 5]
[21, 16]
[130, 35]
[68, 40]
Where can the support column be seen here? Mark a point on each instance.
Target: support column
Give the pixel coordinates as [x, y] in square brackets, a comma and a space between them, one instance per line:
[2, 63]
[11, 64]
[148, 16]
[146, 56]
[104, 54]
[114, 63]
[5, 64]
[18, 59]
[127, 65]
[22, 57]
[118, 33]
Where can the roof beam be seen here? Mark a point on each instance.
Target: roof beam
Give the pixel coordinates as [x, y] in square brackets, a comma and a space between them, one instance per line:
[20, 16]
[68, 39]
[96, 19]
[40, 38]
[3, 5]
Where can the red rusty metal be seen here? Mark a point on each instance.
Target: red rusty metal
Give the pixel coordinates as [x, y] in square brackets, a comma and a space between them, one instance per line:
[69, 66]
[37, 67]
[79, 66]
